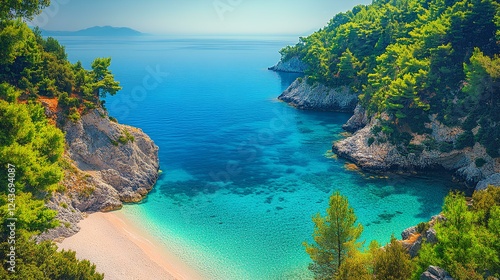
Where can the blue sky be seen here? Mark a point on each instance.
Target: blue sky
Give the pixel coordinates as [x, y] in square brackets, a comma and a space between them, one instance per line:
[195, 16]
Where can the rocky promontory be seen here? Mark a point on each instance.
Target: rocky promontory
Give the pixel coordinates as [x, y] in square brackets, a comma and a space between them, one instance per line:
[108, 164]
[366, 149]
[119, 156]
[305, 96]
[292, 65]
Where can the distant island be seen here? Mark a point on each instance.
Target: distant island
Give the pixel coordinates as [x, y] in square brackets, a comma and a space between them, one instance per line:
[96, 31]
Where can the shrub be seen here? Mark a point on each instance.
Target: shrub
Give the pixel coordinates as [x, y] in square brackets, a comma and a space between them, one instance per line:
[465, 139]
[480, 162]
[370, 141]
[445, 147]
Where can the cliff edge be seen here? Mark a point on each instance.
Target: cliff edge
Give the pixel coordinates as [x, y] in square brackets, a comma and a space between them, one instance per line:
[305, 96]
[108, 164]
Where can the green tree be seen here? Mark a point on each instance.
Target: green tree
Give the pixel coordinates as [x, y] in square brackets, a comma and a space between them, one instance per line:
[393, 262]
[10, 9]
[102, 81]
[335, 236]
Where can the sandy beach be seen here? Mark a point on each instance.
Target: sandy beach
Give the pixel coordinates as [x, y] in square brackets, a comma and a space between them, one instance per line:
[121, 250]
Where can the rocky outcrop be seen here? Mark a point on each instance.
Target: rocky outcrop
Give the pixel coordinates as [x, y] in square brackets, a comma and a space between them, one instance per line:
[318, 97]
[358, 120]
[414, 237]
[491, 180]
[293, 65]
[435, 273]
[109, 163]
[122, 160]
[365, 149]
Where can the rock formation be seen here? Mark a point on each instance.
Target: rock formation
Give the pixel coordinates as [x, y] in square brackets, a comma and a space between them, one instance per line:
[108, 164]
[318, 97]
[435, 273]
[366, 151]
[293, 65]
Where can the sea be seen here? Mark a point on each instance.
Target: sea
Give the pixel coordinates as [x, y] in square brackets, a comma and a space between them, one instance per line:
[242, 173]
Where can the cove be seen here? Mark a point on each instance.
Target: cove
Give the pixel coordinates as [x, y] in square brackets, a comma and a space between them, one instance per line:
[242, 172]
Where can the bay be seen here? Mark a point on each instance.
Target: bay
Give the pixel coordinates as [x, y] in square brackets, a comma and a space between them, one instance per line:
[242, 172]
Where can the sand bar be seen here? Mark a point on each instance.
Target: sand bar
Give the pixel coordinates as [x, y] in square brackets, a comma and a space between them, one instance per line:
[122, 250]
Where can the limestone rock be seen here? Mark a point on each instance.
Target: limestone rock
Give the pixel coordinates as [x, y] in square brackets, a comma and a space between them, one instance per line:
[494, 180]
[408, 232]
[367, 152]
[110, 163]
[122, 160]
[430, 235]
[319, 97]
[435, 273]
[293, 65]
[357, 121]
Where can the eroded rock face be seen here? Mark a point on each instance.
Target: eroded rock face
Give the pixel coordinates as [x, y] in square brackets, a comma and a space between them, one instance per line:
[491, 180]
[122, 160]
[319, 97]
[358, 120]
[293, 65]
[109, 163]
[366, 151]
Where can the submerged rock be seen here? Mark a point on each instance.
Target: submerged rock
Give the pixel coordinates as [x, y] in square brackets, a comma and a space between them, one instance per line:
[319, 97]
[293, 65]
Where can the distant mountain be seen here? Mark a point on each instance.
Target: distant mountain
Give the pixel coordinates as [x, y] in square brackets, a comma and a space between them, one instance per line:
[96, 31]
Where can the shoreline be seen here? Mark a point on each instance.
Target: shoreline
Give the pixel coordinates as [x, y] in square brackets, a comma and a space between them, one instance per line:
[123, 250]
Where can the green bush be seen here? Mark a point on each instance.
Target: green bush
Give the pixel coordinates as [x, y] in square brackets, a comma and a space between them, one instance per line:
[445, 147]
[464, 140]
[480, 162]
[370, 141]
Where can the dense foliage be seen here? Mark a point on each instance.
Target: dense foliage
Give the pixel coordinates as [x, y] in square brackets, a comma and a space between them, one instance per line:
[39, 68]
[468, 245]
[469, 238]
[31, 146]
[414, 58]
[335, 236]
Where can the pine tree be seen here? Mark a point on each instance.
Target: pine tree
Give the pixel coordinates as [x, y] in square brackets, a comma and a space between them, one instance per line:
[335, 236]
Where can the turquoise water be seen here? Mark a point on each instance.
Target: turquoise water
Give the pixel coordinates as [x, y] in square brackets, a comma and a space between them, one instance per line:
[242, 172]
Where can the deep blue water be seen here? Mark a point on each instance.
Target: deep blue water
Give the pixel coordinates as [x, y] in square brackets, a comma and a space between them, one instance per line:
[242, 172]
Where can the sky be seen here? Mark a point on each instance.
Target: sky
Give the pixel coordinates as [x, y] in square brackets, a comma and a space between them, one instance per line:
[196, 17]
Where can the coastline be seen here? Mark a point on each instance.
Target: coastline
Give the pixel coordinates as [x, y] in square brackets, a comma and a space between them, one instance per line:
[122, 250]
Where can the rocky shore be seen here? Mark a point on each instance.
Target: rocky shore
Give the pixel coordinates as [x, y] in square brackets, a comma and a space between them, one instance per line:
[305, 96]
[108, 164]
[293, 65]
[367, 152]
[363, 147]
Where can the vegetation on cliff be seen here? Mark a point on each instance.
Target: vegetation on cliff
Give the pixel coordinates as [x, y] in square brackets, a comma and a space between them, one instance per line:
[31, 146]
[409, 59]
[468, 243]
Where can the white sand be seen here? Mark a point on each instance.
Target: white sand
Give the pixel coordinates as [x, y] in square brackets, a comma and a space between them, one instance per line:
[122, 251]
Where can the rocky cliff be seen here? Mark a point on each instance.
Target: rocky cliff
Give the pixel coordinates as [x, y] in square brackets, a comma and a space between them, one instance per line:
[365, 149]
[107, 164]
[293, 65]
[318, 97]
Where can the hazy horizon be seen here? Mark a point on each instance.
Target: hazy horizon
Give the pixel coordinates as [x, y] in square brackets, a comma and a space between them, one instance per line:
[197, 17]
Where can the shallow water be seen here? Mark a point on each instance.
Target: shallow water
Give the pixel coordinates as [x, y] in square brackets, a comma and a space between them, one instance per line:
[242, 172]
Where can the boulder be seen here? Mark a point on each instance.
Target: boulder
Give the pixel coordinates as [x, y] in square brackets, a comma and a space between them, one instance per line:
[435, 273]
